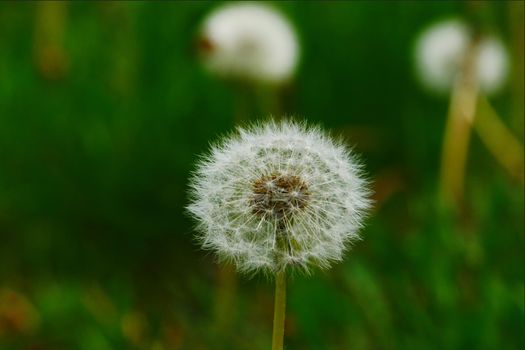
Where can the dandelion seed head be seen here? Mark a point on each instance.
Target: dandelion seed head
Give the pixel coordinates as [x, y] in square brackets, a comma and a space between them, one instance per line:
[441, 49]
[492, 64]
[249, 41]
[277, 196]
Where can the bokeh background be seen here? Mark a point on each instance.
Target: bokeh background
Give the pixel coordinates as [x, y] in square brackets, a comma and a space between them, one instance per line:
[104, 108]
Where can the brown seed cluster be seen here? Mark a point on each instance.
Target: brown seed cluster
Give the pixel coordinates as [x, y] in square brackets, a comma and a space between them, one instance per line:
[278, 196]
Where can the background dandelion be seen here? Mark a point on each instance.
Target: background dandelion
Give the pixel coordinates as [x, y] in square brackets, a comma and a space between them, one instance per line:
[249, 41]
[441, 50]
[463, 60]
[253, 47]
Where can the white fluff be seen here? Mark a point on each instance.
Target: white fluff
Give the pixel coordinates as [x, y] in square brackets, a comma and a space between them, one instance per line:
[441, 48]
[250, 41]
[316, 222]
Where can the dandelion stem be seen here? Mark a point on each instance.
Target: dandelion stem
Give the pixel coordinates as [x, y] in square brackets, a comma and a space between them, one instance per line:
[457, 131]
[500, 141]
[516, 21]
[279, 311]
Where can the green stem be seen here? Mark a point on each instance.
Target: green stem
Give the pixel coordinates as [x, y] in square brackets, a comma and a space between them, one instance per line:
[279, 311]
[462, 109]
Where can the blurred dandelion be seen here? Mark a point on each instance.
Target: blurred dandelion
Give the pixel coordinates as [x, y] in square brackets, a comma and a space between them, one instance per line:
[441, 50]
[453, 57]
[278, 196]
[249, 41]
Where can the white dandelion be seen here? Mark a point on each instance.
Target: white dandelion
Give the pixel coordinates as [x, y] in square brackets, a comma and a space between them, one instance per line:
[278, 196]
[440, 51]
[249, 41]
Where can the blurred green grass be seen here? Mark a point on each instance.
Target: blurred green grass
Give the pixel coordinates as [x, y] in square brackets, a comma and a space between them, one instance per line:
[103, 111]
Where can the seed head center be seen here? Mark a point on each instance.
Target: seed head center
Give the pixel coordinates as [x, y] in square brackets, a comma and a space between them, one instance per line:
[279, 196]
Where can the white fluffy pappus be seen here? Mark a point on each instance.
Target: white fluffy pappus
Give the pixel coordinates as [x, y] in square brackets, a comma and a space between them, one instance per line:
[441, 49]
[277, 196]
[249, 41]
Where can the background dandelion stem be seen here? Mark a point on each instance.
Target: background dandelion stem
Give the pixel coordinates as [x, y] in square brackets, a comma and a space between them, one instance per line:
[457, 131]
[279, 311]
[499, 140]
[517, 31]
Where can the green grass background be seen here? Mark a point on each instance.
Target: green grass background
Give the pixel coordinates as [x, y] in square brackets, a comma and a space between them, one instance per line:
[104, 109]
